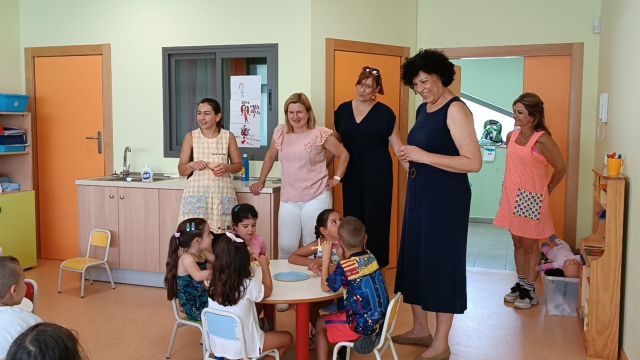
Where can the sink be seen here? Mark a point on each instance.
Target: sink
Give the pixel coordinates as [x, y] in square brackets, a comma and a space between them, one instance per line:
[131, 178]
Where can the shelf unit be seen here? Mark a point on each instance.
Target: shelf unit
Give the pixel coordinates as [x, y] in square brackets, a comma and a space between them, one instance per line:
[601, 276]
[17, 208]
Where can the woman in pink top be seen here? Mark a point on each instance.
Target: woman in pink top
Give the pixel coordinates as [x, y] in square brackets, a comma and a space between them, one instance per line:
[300, 146]
[524, 207]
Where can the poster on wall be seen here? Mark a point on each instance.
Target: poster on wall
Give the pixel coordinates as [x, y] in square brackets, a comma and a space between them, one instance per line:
[245, 110]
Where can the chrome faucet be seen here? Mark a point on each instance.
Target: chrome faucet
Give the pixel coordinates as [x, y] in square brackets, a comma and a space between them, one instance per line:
[125, 166]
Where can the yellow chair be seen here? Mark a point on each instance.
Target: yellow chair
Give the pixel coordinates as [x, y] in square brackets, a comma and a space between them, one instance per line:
[385, 338]
[98, 238]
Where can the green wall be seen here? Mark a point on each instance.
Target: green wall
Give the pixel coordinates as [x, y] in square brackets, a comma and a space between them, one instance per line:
[619, 76]
[10, 79]
[497, 81]
[486, 188]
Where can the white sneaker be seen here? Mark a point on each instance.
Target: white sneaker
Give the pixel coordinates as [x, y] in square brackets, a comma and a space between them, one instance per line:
[526, 299]
[282, 307]
[513, 294]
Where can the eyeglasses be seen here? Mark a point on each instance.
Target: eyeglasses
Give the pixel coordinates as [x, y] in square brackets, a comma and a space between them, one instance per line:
[368, 69]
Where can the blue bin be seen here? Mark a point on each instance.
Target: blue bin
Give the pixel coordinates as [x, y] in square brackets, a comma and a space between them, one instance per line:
[13, 103]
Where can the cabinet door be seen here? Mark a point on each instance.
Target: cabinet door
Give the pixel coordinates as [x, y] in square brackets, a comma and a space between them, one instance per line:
[98, 208]
[169, 201]
[18, 226]
[265, 224]
[138, 227]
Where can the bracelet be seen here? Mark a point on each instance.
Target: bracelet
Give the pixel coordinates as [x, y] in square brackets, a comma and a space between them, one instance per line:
[336, 177]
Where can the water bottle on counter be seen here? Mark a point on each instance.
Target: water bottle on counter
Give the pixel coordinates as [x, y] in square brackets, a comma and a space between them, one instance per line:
[146, 174]
[245, 167]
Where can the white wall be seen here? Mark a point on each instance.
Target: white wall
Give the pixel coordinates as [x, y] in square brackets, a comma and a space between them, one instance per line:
[447, 24]
[619, 75]
[10, 79]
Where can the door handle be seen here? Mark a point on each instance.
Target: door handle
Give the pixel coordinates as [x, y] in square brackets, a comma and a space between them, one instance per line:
[97, 137]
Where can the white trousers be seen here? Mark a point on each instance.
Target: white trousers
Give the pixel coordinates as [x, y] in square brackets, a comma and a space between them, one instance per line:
[297, 221]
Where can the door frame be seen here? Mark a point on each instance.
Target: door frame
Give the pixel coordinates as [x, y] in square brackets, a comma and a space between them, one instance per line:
[30, 54]
[333, 45]
[575, 51]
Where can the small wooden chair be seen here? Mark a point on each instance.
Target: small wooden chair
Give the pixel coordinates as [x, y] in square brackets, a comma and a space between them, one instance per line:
[98, 238]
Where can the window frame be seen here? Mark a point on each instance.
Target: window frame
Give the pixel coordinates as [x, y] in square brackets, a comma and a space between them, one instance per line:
[218, 53]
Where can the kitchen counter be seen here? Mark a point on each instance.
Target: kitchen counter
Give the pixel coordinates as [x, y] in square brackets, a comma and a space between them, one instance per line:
[270, 186]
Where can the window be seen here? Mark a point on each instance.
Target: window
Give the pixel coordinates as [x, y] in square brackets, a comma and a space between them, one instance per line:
[193, 73]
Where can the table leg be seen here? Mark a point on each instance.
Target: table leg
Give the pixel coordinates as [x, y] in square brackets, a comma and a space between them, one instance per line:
[269, 311]
[302, 331]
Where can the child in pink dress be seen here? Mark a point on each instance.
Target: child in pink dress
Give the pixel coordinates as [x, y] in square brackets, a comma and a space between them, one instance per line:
[244, 218]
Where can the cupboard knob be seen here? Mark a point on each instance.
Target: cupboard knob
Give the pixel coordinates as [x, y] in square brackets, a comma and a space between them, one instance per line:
[110, 196]
[121, 196]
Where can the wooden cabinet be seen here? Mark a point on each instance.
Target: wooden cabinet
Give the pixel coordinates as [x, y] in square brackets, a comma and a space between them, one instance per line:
[601, 276]
[131, 216]
[17, 208]
[18, 226]
[169, 201]
[138, 227]
[142, 220]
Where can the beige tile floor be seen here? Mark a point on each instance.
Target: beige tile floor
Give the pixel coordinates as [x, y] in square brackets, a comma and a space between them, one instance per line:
[135, 322]
[489, 247]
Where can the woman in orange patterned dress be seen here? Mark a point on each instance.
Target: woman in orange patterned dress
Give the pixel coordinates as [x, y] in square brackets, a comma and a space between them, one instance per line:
[524, 207]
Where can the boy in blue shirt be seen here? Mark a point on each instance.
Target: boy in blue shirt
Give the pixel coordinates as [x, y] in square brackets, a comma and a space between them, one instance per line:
[365, 296]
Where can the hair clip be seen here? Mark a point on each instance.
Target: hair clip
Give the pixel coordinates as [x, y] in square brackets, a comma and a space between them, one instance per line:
[191, 227]
[233, 237]
[235, 208]
[177, 235]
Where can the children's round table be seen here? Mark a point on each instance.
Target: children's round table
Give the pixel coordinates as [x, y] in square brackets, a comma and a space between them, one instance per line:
[301, 293]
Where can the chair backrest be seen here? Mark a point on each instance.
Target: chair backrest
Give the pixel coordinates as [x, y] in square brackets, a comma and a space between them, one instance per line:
[390, 319]
[100, 238]
[225, 325]
[32, 292]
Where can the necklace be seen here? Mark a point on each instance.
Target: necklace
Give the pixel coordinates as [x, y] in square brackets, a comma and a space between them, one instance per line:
[525, 138]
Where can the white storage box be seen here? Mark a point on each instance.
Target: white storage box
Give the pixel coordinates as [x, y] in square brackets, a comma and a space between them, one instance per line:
[561, 295]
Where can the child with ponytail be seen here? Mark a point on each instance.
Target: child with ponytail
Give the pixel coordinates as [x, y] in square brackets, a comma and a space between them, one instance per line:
[236, 288]
[189, 265]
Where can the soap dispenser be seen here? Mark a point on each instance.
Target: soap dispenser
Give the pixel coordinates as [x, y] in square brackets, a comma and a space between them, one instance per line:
[146, 174]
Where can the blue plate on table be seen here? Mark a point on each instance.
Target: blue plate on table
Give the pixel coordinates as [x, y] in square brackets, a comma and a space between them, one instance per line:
[291, 276]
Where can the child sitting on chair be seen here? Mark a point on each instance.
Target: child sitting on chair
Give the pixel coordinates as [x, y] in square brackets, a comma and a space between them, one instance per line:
[365, 298]
[561, 257]
[235, 288]
[188, 266]
[326, 229]
[243, 219]
[13, 321]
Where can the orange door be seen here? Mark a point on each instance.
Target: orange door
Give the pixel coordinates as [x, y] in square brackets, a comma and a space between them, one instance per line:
[548, 76]
[68, 94]
[347, 67]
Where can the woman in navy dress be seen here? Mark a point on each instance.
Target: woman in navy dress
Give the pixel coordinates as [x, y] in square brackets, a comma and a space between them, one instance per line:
[442, 148]
[366, 127]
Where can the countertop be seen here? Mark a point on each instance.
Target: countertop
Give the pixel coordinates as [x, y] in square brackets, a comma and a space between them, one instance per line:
[270, 186]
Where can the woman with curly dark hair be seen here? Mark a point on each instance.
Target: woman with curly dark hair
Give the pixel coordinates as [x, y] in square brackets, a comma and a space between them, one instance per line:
[441, 149]
[235, 288]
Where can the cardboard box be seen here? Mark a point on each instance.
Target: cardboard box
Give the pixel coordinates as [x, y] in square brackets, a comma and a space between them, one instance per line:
[561, 295]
